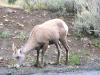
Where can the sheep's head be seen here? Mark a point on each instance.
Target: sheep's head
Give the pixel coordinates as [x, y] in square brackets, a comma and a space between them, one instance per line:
[18, 54]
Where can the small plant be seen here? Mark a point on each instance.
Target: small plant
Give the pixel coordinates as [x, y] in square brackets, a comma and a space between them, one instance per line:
[74, 59]
[96, 42]
[4, 34]
[11, 1]
[21, 36]
[98, 66]
[55, 5]
[78, 34]
[39, 5]
[28, 5]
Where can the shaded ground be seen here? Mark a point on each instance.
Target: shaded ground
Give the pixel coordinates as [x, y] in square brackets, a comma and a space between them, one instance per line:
[18, 23]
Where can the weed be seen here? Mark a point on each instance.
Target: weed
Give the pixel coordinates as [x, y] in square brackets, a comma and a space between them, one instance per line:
[98, 66]
[4, 34]
[74, 59]
[39, 5]
[21, 36]
[55, 5]
[78, 34]
[27, 5]
[30, 5]
[11, 1]
[96, 42]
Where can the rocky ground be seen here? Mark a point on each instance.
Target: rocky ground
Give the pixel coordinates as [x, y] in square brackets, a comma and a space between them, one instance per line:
[15, 25]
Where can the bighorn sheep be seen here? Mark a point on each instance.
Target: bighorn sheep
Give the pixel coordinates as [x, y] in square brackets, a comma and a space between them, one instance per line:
[49, 32]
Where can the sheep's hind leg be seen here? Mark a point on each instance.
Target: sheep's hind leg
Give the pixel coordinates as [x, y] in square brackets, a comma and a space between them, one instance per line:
[65, 45]
[58, 56]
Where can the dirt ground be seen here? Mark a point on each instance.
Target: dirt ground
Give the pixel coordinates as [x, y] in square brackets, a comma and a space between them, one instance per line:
[16, 21]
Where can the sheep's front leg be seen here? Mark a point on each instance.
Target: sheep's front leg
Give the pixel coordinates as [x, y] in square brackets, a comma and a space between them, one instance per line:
[45, 46]
[37, 60]
[58, 49]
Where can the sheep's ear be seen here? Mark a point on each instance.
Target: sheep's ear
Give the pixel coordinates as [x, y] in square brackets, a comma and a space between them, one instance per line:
[14, 47]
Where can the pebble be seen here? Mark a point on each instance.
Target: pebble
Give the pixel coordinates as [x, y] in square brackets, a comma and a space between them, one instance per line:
[1, 24]
[6, 20]
[1, 58]
[14, 66]
[21, 25]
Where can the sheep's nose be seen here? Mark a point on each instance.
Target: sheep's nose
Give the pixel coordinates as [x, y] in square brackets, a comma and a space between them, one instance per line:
[17, 57]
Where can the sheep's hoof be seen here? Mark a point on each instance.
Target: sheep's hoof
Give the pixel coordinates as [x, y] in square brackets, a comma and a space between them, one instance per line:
[36, 65]
[56, 63]
[40, 65]
[66, 63]
[43, 65]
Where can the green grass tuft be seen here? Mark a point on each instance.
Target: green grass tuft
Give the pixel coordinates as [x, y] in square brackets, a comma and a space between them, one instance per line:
[4, 34]
[21, 36]
[74, 59]
[96, 42]
[55, 5]
[40, 5]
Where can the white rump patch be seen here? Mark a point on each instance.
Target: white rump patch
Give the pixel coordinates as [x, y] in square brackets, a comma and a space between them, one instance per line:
[66, 27]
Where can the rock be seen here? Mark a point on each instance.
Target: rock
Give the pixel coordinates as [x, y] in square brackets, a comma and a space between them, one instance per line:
[69, 34]
[4, 16]
[21, 25]
[22, 17]
[6, 20]
[10, 11]
[69, 40]
[55, 52]
[1, 24]
[17, 66]
[1, 58]
[14, 66]
[12, 21]
[48, 46]
[9, 66]
[2, 48]
[51, 62]
[26, 65]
